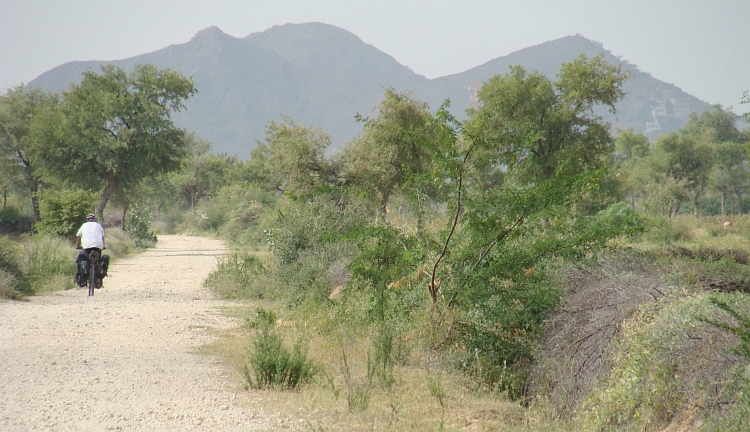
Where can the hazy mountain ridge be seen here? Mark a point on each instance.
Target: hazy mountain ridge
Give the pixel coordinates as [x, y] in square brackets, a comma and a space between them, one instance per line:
[322, 75]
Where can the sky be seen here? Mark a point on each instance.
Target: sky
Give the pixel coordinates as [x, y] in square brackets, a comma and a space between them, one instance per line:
[701, 46]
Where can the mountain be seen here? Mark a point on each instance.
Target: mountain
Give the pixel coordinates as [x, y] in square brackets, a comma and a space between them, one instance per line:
[322, 75]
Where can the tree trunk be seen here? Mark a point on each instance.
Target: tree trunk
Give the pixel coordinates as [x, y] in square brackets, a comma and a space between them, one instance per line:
[108, 191]
[124, 213]
[384, 205]
[35, 208]
[695, 203]
[738, 191]
[723, 199]
[5, 197]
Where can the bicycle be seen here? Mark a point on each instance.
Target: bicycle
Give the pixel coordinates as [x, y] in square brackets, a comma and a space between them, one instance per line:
[92, 270]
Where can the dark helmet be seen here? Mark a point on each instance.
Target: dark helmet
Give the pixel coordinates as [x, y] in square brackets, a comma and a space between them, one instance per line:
[90, 217]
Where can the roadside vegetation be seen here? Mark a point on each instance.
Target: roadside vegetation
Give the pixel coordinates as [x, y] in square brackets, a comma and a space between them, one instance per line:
[521, 269]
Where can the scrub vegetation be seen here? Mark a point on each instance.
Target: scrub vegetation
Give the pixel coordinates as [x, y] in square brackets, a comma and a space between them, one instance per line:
[522, 269]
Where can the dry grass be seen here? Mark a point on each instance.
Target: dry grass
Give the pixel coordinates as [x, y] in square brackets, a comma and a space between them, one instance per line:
[413, 402]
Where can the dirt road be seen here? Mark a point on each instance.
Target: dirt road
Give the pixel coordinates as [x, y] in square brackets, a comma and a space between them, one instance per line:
[125, 359]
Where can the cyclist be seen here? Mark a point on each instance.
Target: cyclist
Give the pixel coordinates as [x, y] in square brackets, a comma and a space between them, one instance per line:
[90, 237]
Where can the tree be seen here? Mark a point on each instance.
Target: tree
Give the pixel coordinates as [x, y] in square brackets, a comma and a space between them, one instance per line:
[203, 173]
[685, 159]
[114, 129]
[537, 127]
[295, 156]
[718, 130]
[17, 109]
[728, 174]
[390, 150]
[721, 123]
[630, 148]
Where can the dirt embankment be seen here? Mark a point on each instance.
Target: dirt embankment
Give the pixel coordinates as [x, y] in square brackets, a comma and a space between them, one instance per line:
[125, 359]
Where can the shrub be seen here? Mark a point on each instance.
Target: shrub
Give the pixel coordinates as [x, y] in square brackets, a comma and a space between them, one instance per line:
[11, 220]
[119, 243]
[62, 213]
[262, 318]
[236, 274]
[13, 281]
[139, 226]
[49, 262]
[274, 366]
[315, 271]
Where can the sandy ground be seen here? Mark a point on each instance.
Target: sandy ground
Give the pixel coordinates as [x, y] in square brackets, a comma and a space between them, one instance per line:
[126, 358]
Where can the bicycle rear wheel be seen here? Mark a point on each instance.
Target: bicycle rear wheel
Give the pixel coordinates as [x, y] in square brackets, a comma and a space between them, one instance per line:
[92, 278]
[93, 270]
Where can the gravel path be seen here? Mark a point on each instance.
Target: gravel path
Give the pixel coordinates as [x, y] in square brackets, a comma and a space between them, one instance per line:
[125, 359]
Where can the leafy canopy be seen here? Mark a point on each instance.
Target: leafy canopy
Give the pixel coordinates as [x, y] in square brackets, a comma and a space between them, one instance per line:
[114, 129]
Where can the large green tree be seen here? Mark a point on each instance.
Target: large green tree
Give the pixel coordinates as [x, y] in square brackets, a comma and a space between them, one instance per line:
[114, 129]
[294, 156]
[537, 127]
[18, 106]
[390, 151]
[721, 124]
[203, 173]
[728, 174]
[687, 160]
[630, 148]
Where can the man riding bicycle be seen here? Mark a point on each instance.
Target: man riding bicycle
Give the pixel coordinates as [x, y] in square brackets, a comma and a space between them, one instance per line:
[90, 237]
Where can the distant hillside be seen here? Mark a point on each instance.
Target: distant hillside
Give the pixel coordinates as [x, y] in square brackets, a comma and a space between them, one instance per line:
[322, 75]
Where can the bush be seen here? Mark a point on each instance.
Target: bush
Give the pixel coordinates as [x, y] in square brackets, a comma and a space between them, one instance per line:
[11, 220]
[262, 318]
[307, 225]
[13, 281]
[139, 226]
[236, 274]
[119, 243]
[62, 213]
[273, 366]
[49, 262]
[315, 271]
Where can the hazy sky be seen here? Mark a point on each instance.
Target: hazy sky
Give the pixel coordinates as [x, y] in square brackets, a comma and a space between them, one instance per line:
[701, 46]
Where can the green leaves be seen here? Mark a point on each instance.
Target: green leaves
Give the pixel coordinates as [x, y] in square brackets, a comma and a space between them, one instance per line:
[113, 129]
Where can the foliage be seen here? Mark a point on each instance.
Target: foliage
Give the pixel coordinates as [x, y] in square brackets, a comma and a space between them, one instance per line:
[113, 130]
[303, 225]
[538, 128]
[13, 221]
[203, 174]
[63, 212]
[295, 156]
[139, 226]
[659, 367]
[274, 366]
[17, 109]
[48, 263]
[235, 275]
[741, 330]
[389, 152]
[262, 318]
[13, 280]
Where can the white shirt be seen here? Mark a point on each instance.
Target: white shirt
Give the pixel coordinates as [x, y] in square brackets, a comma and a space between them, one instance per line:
[92, 235]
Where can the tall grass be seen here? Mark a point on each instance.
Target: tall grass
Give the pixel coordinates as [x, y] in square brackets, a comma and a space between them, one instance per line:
[41, 263]
[275, 366]
[49, 263]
